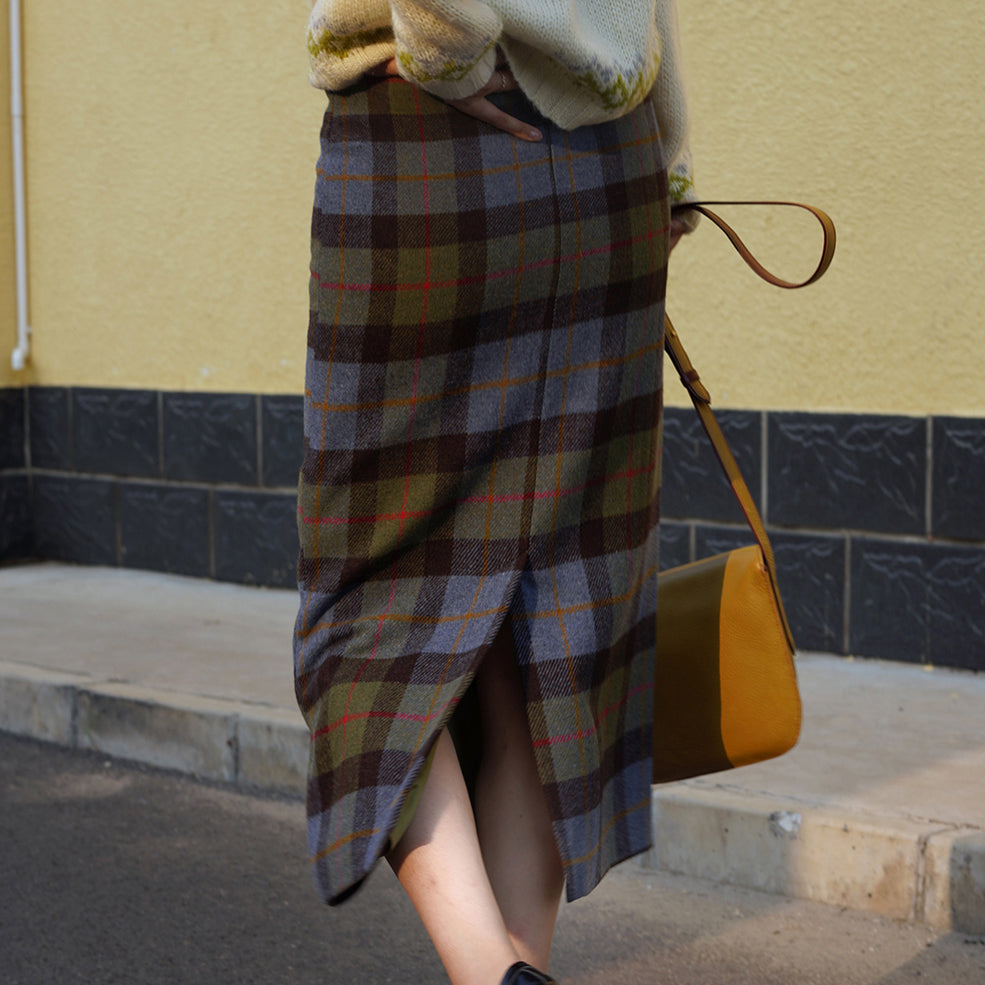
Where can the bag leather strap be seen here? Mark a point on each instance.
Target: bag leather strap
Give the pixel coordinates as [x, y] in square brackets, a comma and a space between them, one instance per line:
[701, 398]
[827, 248]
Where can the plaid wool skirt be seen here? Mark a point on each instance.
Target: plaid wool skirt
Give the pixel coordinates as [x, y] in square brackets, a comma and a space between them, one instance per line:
[482, 431]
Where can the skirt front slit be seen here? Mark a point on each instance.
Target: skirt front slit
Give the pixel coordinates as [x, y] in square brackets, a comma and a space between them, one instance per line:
[482, 448]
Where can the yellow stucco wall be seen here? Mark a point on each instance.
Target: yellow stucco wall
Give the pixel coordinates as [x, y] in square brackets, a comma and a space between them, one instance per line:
[8, 300]
[171, 147]
[874, 112]
[170, 155]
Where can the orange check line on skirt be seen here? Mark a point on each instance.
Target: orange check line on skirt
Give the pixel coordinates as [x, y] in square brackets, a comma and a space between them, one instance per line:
[392, 716]
[562, 421]
[410, 437]
[344, 840]
[430, 285]
[642, 804]
[516, 166]
[513, 381]
[478, 590]
[553, 613]
[577, 736]
[490, 499]
[302, 656]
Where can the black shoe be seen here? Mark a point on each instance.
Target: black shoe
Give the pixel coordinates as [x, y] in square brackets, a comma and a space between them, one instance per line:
[522, 974]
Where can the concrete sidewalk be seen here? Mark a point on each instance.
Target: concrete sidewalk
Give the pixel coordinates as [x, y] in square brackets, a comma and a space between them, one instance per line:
[880, 807]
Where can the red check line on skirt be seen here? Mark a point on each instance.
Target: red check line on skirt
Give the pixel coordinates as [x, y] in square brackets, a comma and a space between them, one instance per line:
[487, 172]
[551, 613]
[556, 740]
[428, 285]
[406, 514]
[410, 433]
[515, 381]
[391, 716]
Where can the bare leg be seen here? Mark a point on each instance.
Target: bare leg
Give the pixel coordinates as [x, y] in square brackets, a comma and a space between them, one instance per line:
[485, 908]
[439, 864]
[512, 819]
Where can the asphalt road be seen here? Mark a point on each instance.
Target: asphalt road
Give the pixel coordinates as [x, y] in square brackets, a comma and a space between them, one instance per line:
[111, 873]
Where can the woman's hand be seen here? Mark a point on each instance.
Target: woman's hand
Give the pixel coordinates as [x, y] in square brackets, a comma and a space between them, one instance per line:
[477, 105]
[481, 108]
[677, 230]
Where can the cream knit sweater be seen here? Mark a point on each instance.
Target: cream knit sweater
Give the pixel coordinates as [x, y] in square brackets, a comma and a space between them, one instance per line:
[577, 61]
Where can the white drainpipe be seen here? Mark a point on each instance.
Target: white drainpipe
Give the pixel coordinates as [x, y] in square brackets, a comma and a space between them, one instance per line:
[18, 358]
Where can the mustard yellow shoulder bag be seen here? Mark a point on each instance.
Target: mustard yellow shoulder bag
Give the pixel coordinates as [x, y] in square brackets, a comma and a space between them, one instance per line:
[725, 689]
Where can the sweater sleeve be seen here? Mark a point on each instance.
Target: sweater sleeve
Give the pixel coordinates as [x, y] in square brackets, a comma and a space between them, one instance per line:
[345, 39]
[446, 47]
[671, 106]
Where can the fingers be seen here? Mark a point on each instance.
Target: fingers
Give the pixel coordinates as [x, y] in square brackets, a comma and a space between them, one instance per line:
[677, 230]
[384, 69]
[502, 80]
[477, 105]
[482, 109]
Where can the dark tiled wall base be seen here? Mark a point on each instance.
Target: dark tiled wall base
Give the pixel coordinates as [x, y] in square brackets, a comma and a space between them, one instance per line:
[896, 599]
[927, 599]
[959, 478]
[842, 470]
[16, 526]
[12, 430]
[811, 570]
[187, 483]
[15, 494]
[877, 521]
[232, 535]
